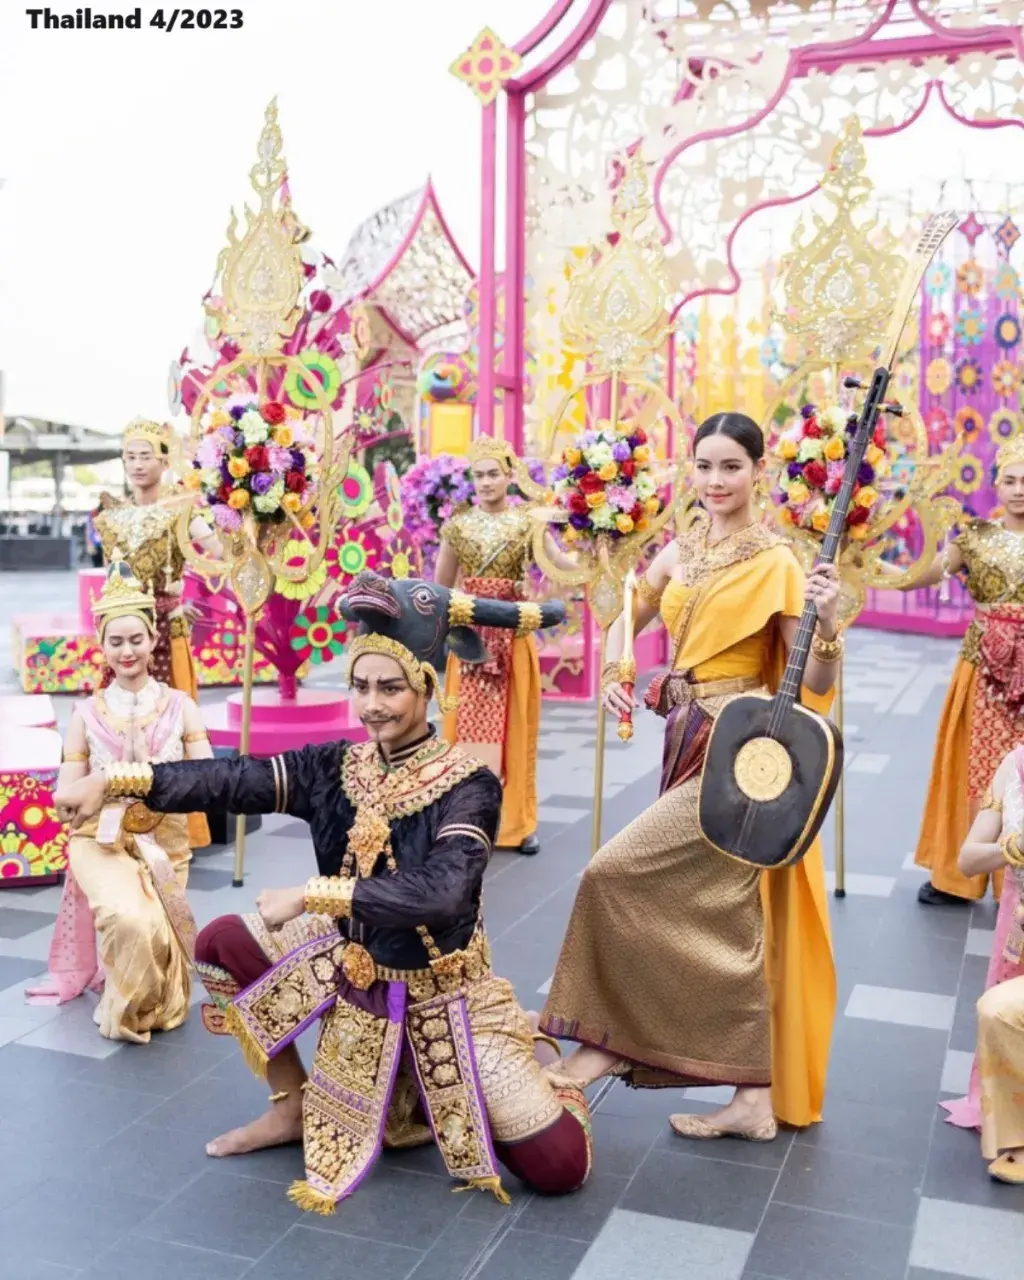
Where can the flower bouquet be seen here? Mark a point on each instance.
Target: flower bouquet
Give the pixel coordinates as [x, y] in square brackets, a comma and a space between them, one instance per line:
[604, 483]
[813, 451]
[255, 458]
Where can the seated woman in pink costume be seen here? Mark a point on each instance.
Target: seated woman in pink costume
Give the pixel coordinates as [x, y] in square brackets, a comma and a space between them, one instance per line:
[995, 1101]
[127, 868]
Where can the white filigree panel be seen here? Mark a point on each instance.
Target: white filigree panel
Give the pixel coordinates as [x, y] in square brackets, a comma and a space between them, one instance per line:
[375, 242]
[427, 286]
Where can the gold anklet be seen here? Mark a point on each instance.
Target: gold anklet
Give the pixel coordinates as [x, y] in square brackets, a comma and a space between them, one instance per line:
[279, 1097]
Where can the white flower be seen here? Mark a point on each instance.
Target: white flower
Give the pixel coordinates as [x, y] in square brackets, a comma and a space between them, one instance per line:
[253, 428]
[644, 485]
[598, 455]
[810, 449]
[833, 418]
[603, 517]
[269, 502]
[210, 478]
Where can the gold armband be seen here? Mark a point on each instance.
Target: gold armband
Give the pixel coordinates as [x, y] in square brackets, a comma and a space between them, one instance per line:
[75, 757]
[529, 618]
[1010, 847]
[648, 594]
[197, 737]
[827, 650]
[988, 801]
[460, 610]
[129, 780]
[329, 896]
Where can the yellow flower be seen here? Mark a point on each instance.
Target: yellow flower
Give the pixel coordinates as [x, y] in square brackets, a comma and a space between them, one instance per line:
[219, 419]
[291, 502]
[239, 499]
[641, 454]
[785, 516]
[283, 436]
[573, 457]
[641, 524]
[308, 520]
[238, 467]
[798, 492]
[819, 521]
[874, 455]
[858, 532]
[624, 523]
[867, 497]
[788, 449]
[609, 471]
[192, 480]
[835, 449]
[595, 499]
[569, 534]
[653, 505]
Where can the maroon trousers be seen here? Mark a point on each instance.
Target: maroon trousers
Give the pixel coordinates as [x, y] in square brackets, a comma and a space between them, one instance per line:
[554, 1162]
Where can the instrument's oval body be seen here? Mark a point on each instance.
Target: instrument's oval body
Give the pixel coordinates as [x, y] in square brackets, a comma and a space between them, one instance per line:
[763, 797]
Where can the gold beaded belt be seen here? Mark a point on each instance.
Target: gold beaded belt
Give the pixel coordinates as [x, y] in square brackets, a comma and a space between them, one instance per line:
[681, 690]
[444, 975]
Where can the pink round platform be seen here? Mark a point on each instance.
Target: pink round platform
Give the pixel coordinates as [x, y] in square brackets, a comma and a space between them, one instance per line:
[27, 711]
[316, 715]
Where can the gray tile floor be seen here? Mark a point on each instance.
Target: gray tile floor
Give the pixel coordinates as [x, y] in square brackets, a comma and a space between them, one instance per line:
[102, 1171]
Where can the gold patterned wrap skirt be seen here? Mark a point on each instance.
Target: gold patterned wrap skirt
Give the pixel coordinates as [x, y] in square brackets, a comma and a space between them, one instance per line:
[663, 962]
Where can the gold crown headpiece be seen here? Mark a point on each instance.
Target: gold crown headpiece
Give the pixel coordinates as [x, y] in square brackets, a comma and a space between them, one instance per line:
[488, 448]
[422, 676]
[1011, 454]
[158, 434]
[123, 596]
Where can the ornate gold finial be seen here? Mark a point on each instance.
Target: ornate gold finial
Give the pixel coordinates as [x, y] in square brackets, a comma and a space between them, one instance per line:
[123, 596]
[486, 65]
[840, 288]
[1010, 454]
[158, 434]
[617, 313]
[491, 449]
[261, 273]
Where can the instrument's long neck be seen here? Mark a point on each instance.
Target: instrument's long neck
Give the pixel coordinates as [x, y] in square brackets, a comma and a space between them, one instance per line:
[789, 689]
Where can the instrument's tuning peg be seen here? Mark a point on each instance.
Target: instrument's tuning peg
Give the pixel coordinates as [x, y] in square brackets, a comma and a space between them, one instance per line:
[853, 383]
[894, 407]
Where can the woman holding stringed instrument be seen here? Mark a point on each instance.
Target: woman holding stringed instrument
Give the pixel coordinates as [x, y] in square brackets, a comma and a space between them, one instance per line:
[683, 966]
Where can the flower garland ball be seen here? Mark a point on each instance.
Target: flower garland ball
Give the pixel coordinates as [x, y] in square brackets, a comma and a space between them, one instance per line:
[603, 482]
[318, 635]
[251, 459]
[813, 451]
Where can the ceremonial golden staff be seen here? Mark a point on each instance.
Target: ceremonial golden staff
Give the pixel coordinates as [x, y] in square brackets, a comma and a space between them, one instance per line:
[617, 319]
[261, 281]
[840, 291]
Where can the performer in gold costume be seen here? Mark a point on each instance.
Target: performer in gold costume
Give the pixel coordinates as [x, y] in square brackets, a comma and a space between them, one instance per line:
[681, 965]
[386, 944]
[488, 550]
[127, 870]
[983, 715]
[141, 529]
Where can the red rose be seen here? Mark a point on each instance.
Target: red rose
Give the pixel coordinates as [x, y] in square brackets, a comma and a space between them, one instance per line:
[639, 435]
[295, 482]
[879, 436]
[628, 469]
[637, 511]
[224, 492]
[815, 474]
[811, 430]
[577, 504]
[590, 483]
[857, 515]
[257, 457]
[273, 413]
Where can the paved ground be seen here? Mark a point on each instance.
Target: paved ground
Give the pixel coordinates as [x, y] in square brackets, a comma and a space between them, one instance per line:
[102, 1171]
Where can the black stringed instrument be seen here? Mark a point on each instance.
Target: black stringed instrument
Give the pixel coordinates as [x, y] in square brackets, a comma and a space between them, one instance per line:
[772, 765]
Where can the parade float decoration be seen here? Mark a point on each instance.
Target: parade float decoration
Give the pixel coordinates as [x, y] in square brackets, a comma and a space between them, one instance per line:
[839, 291]
[33, 840]
[269, 471]
[605, 506]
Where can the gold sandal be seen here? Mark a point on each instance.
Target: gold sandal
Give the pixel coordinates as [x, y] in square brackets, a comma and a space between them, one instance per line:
[688, 1125]
[563, 1080]
[1007, 1169]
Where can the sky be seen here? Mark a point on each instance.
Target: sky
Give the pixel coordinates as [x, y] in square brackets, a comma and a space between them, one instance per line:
[121, 154]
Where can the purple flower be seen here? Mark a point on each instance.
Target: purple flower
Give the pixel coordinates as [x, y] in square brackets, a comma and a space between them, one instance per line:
[579, 472]
[225, 473]
[623, 449]
[261, 482]
[236, 411]
[560, 472]
[229, 435]
[225, 517]
[298, 460]
[795, 469]
[866, 473]
[851, 424]
[579, 522]
[808, 410]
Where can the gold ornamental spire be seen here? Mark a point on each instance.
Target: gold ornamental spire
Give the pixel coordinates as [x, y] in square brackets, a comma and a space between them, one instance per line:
[840, 287]
[261, 273]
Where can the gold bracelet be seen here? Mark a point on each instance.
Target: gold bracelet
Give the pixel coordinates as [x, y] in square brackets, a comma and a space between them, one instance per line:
[329, 896]
[129, 780]
[530, 618]
[827, 651]
[1011, 849]
[609, 675]
[460, 610]
[75, 757]
[648, 594]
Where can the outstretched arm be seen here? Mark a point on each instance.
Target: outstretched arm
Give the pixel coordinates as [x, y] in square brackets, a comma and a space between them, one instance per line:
[982, 852]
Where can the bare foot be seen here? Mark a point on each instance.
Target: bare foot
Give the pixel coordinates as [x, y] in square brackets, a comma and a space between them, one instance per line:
[587, 1065]
[275, 1128]
[544, 1052]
